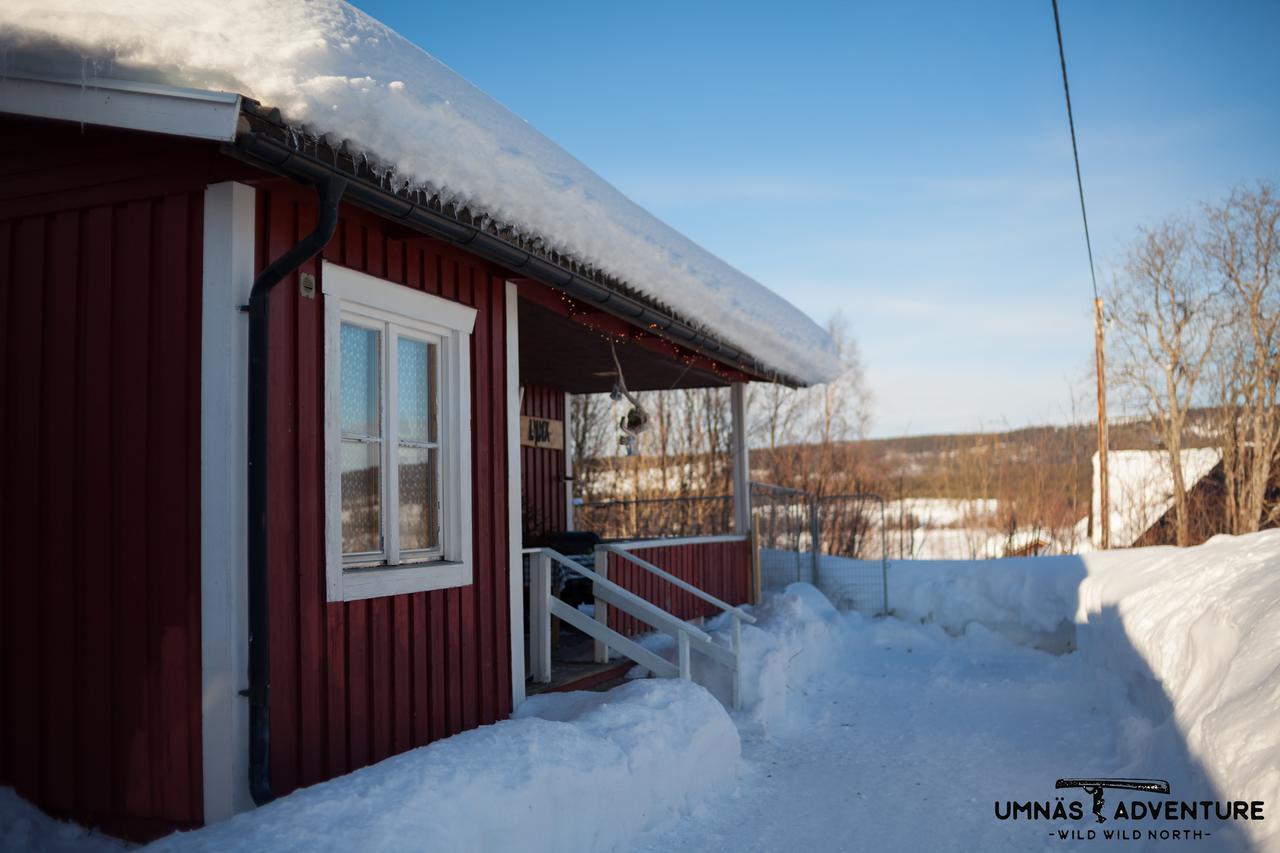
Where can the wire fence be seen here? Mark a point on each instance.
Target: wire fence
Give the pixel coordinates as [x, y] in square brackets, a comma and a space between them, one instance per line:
[835, 542]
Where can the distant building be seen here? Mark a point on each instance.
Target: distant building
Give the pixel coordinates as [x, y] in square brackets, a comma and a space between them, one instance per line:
[1141, 496]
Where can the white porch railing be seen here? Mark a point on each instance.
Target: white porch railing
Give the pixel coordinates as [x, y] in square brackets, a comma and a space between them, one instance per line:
[689, 637]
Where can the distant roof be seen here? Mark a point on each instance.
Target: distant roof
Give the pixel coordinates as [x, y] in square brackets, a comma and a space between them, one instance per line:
[333, 71]
[1142, 488]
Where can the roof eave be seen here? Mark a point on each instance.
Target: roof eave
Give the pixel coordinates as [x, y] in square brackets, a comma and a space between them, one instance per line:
[267, 144]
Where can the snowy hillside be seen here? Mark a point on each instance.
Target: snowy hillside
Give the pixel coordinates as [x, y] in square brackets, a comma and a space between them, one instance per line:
[331, 69]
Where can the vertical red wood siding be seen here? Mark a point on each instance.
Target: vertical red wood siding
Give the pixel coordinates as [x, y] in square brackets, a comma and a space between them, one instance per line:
[541, 468]
[100, 273]
[352, 683]
[719, 568]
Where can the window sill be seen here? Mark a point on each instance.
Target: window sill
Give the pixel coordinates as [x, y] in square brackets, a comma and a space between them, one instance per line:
[376, 582]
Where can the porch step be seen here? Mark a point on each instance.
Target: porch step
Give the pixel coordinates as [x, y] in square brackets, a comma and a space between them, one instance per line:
[582, 676]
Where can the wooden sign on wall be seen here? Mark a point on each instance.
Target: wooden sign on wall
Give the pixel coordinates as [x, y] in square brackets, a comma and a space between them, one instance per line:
[541, 432]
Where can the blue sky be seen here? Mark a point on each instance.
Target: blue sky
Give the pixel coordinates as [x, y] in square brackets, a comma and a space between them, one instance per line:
[905, 163]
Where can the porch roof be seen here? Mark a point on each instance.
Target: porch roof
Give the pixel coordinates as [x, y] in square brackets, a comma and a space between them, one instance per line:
[559, 352]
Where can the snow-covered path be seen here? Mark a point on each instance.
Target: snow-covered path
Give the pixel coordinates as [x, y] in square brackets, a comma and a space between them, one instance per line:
[908, 747]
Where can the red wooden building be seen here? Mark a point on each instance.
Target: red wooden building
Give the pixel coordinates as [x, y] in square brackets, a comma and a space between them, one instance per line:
[263, 486]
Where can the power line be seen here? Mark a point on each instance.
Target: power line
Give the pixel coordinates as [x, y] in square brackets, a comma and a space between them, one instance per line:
[1062, 57]
[1099, 329]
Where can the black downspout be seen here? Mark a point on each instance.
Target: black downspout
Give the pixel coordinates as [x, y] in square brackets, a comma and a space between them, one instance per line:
[329, 192]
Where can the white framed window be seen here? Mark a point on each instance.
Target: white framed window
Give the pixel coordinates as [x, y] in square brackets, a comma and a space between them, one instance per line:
[397, 438]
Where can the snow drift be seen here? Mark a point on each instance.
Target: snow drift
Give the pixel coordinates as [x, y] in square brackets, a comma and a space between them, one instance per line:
[331, 69]
[1191, 634]
[25, 827]
[1030, 600]
[798, 634]
[1194, 635]
[648, 750]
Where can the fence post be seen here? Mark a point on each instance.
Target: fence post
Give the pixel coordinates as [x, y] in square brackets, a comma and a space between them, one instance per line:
[815, 535]
[540, 617]
[884, 561]
[757, 582]
[683, 643]
[737, 661]
[602, 609]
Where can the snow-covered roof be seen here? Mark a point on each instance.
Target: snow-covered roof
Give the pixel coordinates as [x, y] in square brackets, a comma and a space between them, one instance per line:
[331, 69]
[1141, 488]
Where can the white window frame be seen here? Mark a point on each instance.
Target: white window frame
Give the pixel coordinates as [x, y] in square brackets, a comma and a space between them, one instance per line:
[368, 300]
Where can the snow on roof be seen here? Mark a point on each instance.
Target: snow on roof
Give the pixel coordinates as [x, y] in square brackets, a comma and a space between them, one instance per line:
[330, 68]
[1142, 488]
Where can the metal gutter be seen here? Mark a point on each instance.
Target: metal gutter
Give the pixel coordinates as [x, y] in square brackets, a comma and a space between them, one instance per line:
[329, 192]
[150, 107]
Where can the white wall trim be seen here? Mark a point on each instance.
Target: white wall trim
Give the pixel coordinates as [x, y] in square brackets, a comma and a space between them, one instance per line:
[194, 113]
[515, 544]
[568, 463]
[229, 211]
[741, 460]
[365, 297]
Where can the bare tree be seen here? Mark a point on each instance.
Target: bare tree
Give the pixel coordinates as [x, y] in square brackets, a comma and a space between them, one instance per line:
[805, 438]
[1167, 321]
[1241, 249]
[588, 422]
[808, 438]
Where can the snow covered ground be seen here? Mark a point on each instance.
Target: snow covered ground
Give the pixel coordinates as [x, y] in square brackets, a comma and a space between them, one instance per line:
[532, 783]
[907, 733]
[908, 746]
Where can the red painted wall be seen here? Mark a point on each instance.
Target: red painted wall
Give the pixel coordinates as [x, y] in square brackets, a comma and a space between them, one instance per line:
[354, 683]
[100, 270]
[100, 275]
[542, 469]
[720, 568]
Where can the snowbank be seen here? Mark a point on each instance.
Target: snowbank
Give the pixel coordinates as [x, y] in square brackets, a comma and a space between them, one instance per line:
[573, 772]
[798, 634]
[1192, 635]
[1031, 600]
[25, 827]
[330, 68]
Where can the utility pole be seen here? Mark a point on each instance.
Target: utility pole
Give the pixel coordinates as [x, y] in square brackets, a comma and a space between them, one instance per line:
[1104, 504]
[1104, 485]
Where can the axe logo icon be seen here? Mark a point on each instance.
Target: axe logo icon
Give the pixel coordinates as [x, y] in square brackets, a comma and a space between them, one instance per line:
[1094, 788]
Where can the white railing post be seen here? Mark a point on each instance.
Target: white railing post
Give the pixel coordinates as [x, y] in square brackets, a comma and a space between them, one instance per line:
[740, 459]
[540, 617]
[602, 609]
[737, 662]
[683, 642]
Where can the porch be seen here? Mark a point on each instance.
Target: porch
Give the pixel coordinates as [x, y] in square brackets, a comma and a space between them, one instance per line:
[587, 595]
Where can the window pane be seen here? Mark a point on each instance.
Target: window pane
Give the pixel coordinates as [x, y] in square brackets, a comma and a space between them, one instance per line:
[361, 497]
[361, 372]
[419, 498]
[415, 374]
